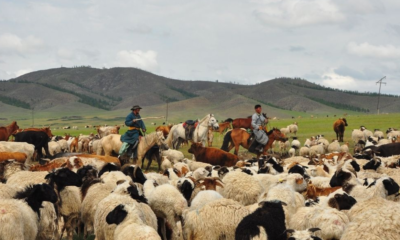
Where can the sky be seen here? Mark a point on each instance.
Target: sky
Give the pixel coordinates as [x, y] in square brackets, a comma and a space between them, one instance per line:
[345, 44]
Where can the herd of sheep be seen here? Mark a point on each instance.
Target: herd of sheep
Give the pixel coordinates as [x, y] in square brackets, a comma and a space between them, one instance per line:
[321, 191]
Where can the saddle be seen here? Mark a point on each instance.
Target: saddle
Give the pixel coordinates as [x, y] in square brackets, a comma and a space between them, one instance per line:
[189, 126]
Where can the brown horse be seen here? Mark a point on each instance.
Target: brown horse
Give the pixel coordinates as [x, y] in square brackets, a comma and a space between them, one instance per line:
[240, 137]
[244, 122]
[46, 130]
[223, 127]
[339, 127]
[5, 132]
[165, 129]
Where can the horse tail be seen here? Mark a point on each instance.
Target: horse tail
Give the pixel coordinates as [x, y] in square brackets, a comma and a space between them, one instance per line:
[170, 136]
[227, 140]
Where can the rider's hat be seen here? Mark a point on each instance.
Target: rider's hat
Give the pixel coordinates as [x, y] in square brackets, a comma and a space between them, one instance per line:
[136, 107]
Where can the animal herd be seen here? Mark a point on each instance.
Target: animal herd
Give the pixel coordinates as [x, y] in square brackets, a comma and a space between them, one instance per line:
[319, 190]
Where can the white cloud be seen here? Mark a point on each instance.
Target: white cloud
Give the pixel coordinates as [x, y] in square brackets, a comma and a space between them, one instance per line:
[334, 80]
[298, 13]
[146, 60]
[12, 44]
[23, 71]
[368, 50]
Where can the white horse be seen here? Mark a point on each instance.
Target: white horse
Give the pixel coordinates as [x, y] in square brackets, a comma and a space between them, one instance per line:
[177, 132]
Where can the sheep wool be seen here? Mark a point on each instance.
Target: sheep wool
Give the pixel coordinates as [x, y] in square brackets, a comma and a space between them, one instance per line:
[217, 219]
[241, 187]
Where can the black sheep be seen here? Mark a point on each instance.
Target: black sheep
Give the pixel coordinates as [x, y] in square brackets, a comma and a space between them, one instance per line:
[270, 216]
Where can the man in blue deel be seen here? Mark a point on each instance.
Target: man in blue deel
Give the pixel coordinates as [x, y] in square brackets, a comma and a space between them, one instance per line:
[131, 137]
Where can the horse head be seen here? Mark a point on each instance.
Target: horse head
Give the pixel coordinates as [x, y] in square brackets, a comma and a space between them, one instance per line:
[212, 122]
[276, 134]
[161, 141]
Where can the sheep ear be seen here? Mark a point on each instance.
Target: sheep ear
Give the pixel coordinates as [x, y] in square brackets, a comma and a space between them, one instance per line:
[120, 182]
[117, 215]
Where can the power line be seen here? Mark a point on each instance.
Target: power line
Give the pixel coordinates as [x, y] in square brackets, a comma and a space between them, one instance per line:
[379, 94]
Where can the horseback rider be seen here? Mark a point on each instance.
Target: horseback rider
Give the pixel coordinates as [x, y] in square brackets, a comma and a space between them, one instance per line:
[258, 122]
[135, 124]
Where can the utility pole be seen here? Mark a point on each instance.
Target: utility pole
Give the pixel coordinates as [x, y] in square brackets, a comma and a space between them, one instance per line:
[379, 94]
[166, 114]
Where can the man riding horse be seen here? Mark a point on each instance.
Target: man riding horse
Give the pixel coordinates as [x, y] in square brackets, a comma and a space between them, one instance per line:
[258, 123]
[131, 137]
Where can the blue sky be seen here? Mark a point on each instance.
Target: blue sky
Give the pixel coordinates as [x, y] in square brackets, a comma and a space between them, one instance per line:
[346, 44]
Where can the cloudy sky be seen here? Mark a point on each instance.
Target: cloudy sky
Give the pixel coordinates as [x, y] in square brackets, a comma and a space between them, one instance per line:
[347, 44]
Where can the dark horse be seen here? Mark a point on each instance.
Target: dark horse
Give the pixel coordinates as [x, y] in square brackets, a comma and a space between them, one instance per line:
[244, 122]
[240, 137]
[339, 127]
[38, 138]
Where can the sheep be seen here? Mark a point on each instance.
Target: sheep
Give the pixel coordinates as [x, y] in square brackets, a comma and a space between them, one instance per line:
[375, 218]
[357, 135]
[215, 220]
[128, 221]
[24, 178]
[317, 149]
[8, 168]
[193, 165]
[304, 151]
[6, 191]
[295, 143]
[20, 216]
[166, 202]
[200, 173]
[165, 163]
[293, 128]
[95, 194]
[204, 197]
[292, 152]
[334, 146]
[270, 216]
[124, 193]
[324, 142]
[316, 217]
[288, 192]
[183, 168]
[173, 155]
[345, 147]
[378, 133]
[234, 185]
[285, 130]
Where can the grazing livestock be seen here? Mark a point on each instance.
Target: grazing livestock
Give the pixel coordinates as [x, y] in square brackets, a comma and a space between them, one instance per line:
[26, 148]
[5, 132]
[46, 130]
[17, 156]
[213, 156]
[339, 127]
[385, 150]
[38, 139]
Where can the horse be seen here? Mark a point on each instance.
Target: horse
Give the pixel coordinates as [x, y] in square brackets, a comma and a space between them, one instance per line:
[5, 132]
[112, 143]
[223, 127]
[244, 122]
[339, 127]
[164, 129]
[46, 130]
[177, 133]
[239, 137]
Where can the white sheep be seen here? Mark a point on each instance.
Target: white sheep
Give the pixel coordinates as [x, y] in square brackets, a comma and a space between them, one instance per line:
[120, 195]
[241, 187]
[165, 163]
[130, 226]
[167, 202]
[334, 146]
[293, 128]
[173, 155]
[285, 130]
[344, 147]
[193, 165]
[215, 220]
[317, 149]
[378, 134]
[324, 141]
[204, 197]
[375, 218]
[23, 178]
[200, 173]
[292, 152]
[304, 151]
[357, 135]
